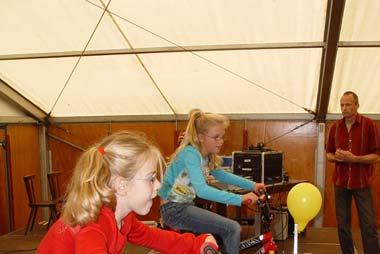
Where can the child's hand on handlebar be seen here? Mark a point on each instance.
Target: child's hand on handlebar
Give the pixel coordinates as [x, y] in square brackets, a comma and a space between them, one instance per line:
[211, 239]
[249, 198]
[210, 246]
[259, 188]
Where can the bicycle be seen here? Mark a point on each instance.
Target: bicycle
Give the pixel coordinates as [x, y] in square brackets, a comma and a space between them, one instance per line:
[265, 240]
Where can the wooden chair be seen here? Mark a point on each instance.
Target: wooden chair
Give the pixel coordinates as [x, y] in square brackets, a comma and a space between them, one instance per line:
[53, 179]
[34, 204]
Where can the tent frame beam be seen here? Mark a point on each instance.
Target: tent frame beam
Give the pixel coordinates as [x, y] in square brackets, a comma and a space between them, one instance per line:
[178, 117]
[333, 26]
[359, 44]
[21, 102]
[154, 50]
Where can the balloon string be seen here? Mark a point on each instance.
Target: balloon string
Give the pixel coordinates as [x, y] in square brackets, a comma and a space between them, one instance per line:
[295, 242]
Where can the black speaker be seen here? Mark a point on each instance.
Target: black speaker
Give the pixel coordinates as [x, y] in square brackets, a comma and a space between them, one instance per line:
[259, 166]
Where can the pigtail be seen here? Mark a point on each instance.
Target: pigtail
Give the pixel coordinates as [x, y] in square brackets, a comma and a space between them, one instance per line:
[191, 133]
[214, 161]
[200, 122]
[88, 189]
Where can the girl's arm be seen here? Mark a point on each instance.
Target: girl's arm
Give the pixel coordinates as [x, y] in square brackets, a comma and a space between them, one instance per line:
[229, 178]
[193, 164]
[166, 242]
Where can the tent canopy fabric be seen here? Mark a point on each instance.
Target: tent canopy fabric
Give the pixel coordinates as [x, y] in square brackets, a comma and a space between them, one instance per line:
[72, 60]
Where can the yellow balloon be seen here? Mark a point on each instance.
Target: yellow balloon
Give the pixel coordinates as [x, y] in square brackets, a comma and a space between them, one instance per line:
[304, 202]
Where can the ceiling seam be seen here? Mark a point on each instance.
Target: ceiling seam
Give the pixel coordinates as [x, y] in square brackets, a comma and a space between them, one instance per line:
[211, 62]
[141, 63]
[77, 62]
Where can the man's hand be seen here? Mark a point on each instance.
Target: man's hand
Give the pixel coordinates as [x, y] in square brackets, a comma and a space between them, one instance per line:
[342, 155]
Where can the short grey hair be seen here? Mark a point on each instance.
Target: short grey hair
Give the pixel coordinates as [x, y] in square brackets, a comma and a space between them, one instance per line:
[356, 98]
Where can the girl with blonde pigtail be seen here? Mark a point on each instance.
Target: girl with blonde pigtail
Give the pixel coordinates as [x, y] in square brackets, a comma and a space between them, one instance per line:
[194, 163]
[112, 182]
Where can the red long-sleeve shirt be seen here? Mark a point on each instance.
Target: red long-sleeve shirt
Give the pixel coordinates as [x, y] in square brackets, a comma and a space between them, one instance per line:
[103, 236]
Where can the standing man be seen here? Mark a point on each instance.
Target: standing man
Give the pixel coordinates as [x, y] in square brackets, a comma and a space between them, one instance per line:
[354, 145]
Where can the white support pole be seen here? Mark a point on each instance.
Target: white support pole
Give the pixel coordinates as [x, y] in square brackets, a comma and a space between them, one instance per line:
[43, 168]
[320, 169]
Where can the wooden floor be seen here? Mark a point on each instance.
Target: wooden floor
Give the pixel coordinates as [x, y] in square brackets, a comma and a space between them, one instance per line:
[315, 241]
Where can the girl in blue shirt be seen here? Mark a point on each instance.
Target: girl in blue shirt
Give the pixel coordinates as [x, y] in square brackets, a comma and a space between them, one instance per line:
[194, 163]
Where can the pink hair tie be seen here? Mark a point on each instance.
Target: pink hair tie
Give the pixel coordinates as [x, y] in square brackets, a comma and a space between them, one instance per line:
[101, 150]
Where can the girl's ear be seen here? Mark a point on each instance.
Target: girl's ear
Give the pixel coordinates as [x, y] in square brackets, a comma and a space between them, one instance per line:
[199, 138]
[120, 185]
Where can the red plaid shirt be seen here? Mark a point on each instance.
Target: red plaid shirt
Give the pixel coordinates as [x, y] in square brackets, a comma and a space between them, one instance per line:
[362, 139]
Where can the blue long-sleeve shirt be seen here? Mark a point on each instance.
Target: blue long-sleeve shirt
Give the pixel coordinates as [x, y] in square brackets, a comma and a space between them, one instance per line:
[185, 178]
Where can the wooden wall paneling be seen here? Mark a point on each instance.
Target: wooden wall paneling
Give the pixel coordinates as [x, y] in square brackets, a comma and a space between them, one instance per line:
[182, 125]
[376, 184]
[298, 146]
[256, 132]
[3, 195]
[233, 138]
[161, 133]
[64, 156]
[81, 134]
[25, 160]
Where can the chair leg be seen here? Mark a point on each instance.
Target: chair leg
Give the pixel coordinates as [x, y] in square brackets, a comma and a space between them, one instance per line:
[34, 217]
[49, 221]
[29, 220]
[52, 216]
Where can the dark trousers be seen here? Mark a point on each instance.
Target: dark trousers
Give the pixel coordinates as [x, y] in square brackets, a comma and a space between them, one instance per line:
[364, 205]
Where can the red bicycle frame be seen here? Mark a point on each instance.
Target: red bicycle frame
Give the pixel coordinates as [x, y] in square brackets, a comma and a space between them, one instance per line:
[264, 240]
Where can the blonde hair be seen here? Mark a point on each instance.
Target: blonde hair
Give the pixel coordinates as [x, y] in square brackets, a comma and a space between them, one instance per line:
[120, 154]
[200, 122]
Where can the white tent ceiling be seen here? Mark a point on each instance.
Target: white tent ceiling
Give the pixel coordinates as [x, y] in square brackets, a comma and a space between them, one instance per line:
[255, 58]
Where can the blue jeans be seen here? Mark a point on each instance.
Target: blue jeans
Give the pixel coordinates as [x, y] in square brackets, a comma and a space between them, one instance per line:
[192, 218]
[364, 205]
